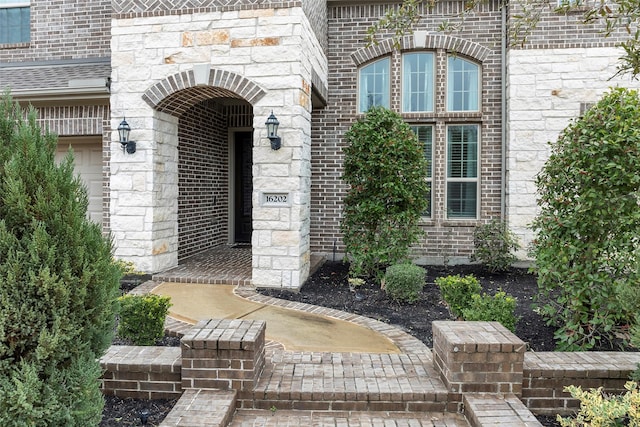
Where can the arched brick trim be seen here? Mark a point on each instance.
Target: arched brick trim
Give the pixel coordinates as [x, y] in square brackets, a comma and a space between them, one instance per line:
[433, 41]
[177, 93]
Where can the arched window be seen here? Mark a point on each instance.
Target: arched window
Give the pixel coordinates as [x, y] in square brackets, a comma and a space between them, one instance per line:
[417, 82]
[463, 85]
[373, 81]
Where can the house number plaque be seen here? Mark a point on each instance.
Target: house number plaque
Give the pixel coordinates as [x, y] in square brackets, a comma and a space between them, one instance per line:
[275, 199]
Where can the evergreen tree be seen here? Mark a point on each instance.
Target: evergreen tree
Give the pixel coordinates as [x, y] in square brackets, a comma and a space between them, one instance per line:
[58, 283]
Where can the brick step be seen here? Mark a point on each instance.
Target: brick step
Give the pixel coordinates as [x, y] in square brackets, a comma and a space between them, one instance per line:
[142, 372]
[349, 382]
[202, 408]
[497, 410]
[279, 418]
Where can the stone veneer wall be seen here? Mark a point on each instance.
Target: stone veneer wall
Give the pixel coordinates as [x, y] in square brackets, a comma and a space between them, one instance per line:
[203, 179]
[547, 89]
[155, 53]
[563, 67]
[445, 240]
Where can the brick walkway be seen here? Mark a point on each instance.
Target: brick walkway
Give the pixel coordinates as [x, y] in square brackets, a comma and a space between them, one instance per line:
[324, 389]
[255, 418]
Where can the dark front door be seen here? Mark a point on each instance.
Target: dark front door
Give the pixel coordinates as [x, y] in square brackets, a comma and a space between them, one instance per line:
[243, 186]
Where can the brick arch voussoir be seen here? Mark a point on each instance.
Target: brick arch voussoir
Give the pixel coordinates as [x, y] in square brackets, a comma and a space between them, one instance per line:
[228, 81]
[432, 41]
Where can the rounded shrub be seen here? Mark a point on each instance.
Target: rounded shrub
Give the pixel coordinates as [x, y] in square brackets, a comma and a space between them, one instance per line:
[458, 292]
[142, 318]
[404, 282]
[498, 308]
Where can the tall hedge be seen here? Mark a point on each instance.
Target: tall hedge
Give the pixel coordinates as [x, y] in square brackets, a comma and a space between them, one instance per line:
[587, 249]
[386, 170]
[58, 283]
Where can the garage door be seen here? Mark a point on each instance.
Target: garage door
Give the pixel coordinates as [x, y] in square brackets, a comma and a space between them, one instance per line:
[88, 164]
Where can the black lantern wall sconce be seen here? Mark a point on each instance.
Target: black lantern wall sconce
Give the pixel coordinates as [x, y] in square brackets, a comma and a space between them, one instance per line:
[272, 132]
[123, 132]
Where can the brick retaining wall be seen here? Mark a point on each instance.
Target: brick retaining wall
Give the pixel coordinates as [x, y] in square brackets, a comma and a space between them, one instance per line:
[142, 372]
[546, 374]
[470, 357]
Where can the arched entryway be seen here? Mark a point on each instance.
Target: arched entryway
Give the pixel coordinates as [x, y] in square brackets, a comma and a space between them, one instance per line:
[215, 139]
[214, 132]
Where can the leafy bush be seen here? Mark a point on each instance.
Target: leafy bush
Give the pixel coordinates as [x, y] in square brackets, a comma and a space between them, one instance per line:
[494, 245]
[404, 282]
[600, 409]
[498, 308]
[142, 318]
[58, 283]
[126, 267]
[386, 171]
[586, 249]
[458, 292]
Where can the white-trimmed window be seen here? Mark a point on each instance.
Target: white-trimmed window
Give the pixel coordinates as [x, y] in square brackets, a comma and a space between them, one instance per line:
[374, 86]
[15, 21]
[462, 171]
[425, 135]
[417, 82]
[463, 85]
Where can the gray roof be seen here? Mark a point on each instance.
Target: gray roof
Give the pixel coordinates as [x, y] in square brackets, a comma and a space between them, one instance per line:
[46, 76]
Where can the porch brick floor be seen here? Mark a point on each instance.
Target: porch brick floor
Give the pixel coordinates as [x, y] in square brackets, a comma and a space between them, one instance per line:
[222, 265]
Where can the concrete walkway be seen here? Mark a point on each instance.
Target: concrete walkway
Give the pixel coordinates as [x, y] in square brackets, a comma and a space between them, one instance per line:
[296, 330]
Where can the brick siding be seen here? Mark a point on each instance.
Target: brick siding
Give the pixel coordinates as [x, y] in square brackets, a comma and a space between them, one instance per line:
[316, 12]
[203, 171]
[62, 30]
[445, 239]
[565, 31]
[142, 8]
[71, 120]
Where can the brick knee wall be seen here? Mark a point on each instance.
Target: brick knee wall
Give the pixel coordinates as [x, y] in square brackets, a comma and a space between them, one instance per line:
[546, 374]
[223, 354]
[477, 357]
[142, 372]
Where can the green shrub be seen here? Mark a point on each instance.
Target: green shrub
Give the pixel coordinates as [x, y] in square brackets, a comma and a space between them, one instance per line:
[127, 267]
[142, 318]
[386, 170]
[603, 410]
[494, 245]
[498, 308]
[586, 248]
[58, 283]
[458, 291]
[404, 282]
